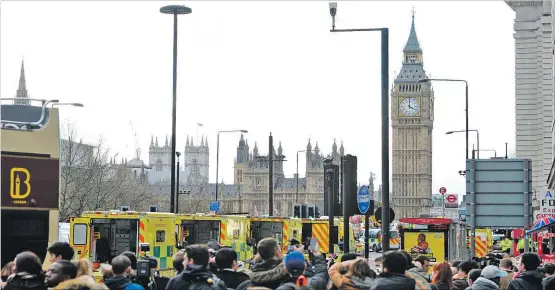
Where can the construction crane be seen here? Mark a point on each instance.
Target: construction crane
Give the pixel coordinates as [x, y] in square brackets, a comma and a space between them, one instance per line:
[136, 138]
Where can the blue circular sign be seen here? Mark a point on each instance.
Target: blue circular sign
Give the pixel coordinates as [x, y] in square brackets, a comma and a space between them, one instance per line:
[363, 199]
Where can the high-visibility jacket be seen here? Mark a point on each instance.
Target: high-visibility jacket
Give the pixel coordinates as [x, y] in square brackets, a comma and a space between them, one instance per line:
[520, 244]
[505, 244]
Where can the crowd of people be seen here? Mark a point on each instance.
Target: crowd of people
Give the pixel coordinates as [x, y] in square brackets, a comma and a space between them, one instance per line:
[212, 267]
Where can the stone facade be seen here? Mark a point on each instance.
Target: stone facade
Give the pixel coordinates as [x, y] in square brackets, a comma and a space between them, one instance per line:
[249, 192]
[251, 173]
[193, 168]
[533, 35]
[412, 116]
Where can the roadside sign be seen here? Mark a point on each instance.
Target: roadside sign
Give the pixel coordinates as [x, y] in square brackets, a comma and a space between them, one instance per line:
[443, 190]
[547, 205]
[378, 215]
[215, 206]
[363, 199]
[501, 190]
[451, 200]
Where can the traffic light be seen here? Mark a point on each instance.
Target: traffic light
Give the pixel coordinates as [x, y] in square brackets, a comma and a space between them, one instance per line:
[311, 211]
[349, 177]
[304, 211]
[297, 211]
[317, 212]
[331, 190]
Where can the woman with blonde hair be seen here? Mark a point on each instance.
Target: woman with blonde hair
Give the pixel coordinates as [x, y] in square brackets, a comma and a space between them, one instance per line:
[84, 269]
[7, 270]
[358, 276]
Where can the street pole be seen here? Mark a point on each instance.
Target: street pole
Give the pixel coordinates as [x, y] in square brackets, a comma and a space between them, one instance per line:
[177, 190]
[385, 140]
[330, 180]
[466, 117]
[271, 175]
[477, 144]
[175, 10]
[217, 162]
[443, 206]
[385, 119]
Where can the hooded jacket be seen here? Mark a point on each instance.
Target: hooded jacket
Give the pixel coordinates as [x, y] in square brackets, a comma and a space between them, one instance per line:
[232, 279]
[121, 283]
[421, 282]
[527, 280]
[420, 272]
[460, 283]
[269, 274]
[343, 282]
[25, 281]
[483, 284]
[195, 277]
[318, 281]
[390, 281]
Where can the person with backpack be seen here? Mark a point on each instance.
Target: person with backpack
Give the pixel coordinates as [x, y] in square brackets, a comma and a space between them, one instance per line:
[196, 276]
[296, 266]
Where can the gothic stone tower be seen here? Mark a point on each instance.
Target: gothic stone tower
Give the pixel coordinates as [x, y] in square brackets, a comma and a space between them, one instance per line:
[412, 111]
[197, 159]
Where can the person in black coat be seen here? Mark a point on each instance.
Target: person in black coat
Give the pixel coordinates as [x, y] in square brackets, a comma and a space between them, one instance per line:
[226, 261]
[29, 275]
[196, 274]
[393, 276]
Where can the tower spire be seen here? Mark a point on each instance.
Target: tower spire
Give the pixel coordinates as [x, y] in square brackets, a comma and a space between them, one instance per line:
[412, 43]
[22, 88]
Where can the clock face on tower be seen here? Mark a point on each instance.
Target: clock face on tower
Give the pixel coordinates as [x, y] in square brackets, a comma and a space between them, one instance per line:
[409, 107]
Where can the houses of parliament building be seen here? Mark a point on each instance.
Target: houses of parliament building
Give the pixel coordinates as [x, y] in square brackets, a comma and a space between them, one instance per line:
[249, 192]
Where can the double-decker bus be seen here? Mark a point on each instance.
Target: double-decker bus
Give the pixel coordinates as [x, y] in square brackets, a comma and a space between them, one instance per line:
[30, 181]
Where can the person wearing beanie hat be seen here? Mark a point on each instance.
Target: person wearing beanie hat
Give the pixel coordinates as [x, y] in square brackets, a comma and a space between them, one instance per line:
[295, 263]
[296, 266]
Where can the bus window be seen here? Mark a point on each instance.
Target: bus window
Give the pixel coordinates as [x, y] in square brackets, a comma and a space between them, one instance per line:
[394, 234]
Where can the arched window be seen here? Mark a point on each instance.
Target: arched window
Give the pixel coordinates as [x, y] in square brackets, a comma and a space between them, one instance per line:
[159, 165]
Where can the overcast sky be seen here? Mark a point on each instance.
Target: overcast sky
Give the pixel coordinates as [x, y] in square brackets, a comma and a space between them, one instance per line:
[265, 67]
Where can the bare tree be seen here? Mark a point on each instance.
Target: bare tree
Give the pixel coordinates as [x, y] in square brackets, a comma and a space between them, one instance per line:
[194, 204]
[91, 181]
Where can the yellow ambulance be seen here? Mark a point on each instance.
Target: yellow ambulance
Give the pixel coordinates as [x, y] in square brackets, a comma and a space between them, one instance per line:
[101, 235]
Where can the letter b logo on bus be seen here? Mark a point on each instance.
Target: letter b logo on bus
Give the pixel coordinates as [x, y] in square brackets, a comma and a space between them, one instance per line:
[20, 183]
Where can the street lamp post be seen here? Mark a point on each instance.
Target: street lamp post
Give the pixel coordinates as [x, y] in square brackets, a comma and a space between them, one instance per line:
[177, 190]
[477, 139]
[472, 194]
[466, 102]
[385, 118]
[218, 154]
[175, 10]
[297, 181]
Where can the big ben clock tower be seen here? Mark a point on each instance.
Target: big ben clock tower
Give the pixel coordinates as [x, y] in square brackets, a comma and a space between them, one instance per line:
[412, 118]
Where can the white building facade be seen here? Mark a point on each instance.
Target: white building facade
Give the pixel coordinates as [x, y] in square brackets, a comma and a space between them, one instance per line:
[534, 87]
